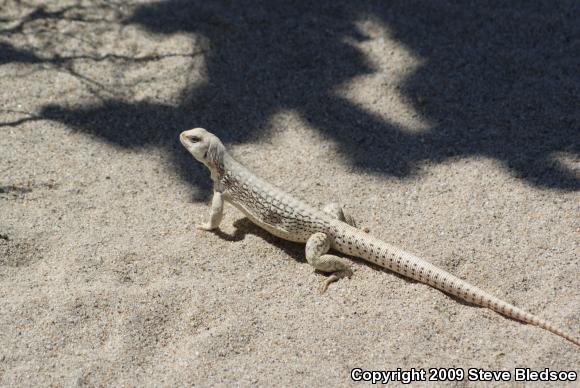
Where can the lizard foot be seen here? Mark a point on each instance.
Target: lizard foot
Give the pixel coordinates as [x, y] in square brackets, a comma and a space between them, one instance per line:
[346, 273]
[206, 227]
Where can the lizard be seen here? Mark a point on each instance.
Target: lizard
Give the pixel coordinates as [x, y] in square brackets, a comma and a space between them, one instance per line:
[293, 219]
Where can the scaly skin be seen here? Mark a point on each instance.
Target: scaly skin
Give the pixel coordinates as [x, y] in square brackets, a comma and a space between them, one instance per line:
[292, 219]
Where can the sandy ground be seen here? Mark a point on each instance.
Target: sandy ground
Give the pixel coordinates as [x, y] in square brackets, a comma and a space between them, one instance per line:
[449, 130]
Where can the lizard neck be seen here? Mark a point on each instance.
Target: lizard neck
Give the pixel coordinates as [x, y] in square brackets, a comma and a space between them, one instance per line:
[219, 172]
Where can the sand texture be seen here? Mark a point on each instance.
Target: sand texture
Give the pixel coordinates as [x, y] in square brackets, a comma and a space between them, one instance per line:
[451, 129]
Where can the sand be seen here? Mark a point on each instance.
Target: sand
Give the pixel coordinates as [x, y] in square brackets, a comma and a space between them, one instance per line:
[451, 131]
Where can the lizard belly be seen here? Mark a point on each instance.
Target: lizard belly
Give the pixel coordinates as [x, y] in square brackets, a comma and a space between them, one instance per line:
[274, 223]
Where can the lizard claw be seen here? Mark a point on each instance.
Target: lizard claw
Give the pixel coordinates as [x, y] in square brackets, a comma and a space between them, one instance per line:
[331, 279]
[345, 273]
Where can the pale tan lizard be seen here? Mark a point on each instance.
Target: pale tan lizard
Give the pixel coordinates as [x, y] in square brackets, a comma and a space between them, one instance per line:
[292, 219]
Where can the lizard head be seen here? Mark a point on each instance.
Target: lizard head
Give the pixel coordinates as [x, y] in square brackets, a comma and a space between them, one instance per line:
[204, 146]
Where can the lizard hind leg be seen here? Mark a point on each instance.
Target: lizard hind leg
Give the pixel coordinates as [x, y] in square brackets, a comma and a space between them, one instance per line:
[317, 247]
[335, 210]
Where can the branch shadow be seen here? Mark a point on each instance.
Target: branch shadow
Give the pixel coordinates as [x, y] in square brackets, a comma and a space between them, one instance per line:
[497, 79]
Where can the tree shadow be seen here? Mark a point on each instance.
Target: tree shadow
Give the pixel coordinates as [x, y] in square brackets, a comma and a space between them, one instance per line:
[497, 79]
[14, 54]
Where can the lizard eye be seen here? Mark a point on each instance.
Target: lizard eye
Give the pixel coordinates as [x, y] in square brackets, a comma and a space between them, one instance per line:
[194, 139]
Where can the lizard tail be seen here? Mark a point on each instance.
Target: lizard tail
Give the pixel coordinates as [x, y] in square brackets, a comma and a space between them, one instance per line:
[514, 312]
[451, 284]
[404, 263]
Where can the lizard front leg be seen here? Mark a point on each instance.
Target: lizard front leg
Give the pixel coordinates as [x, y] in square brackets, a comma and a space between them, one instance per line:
[216, 212]
[335, 210]
[316, 247]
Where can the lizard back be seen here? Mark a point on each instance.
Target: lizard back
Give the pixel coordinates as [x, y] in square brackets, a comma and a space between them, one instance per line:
[269, 207]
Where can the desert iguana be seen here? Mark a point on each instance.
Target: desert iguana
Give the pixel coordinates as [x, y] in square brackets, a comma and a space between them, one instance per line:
[292, 219]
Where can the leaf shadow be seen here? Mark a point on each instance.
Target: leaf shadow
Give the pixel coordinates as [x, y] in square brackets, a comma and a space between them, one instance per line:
[496, 80]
